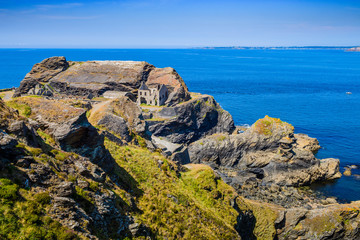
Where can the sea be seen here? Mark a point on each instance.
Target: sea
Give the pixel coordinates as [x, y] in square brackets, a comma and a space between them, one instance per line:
[308, 88]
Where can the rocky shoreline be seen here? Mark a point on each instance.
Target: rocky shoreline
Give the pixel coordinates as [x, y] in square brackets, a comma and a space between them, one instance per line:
[69, 104]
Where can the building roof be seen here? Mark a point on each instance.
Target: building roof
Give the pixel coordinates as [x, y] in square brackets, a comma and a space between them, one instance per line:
[143, 86]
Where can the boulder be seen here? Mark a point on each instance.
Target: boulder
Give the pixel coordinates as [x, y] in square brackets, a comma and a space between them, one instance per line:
[115, 124]
[193, 120]
[7, 142]
[24, 132]
[65, 189]
[347, 172]
[79, 136]
[41, 72]
[306, 142]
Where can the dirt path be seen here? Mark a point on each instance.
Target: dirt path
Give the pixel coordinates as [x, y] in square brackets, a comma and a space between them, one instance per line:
[7, 95]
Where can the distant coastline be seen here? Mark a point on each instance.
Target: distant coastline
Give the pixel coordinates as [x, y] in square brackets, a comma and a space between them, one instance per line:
[344, 48]
[354, 49]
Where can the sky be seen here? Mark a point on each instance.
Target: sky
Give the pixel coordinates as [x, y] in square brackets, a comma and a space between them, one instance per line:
[178, 23]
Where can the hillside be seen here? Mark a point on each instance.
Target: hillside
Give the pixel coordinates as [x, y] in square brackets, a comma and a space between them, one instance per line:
[77, 162]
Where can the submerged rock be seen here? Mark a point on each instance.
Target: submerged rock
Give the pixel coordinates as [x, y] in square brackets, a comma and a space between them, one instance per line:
[347, 171]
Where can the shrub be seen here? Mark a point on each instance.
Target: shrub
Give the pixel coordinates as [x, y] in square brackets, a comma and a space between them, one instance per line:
[42, 198]
[8, 190]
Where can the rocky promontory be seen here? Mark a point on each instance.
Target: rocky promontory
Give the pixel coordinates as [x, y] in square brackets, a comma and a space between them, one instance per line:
[110, 167]
[95, 78]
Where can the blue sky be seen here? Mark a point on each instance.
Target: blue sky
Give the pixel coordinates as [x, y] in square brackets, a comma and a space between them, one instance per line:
[178, 23]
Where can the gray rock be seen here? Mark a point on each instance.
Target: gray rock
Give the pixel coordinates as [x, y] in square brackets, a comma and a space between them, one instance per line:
[116, 124]
[65, 189]
[63, 202]
[24, 133]
[24, 162]
[7, 142]
[41, 72]
[273, 158]
[181, 156]
[40, 174]
[195, 119]
[78, 135]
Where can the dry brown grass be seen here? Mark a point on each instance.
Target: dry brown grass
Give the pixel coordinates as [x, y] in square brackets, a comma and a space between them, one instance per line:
[98, 112]
[49, 110]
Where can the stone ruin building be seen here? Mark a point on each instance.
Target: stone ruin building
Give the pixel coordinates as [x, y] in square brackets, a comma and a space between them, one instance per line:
[152, 96]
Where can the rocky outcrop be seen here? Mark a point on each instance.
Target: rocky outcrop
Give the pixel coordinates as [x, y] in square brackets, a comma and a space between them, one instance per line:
[175, 84]
[79, 136]
[7, 115]
[94, 78]
[333, 222]
[307, 143]
[265, 154]
[115, 124]
[40, 73]
[12, 123]
[192, 120]
[121, 116]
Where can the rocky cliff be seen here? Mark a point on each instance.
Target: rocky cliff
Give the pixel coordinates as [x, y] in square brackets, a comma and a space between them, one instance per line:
[98, 167]
[97, 77]
[268, 151]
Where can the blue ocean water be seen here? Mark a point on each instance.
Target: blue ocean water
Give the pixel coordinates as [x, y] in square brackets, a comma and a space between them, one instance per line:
[306, 88]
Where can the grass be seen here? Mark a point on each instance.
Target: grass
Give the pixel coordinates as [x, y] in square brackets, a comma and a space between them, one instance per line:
[156, 119]
[23, 108]
[22, 215]
[265, 218]
[220, 137]
[46, 137]
[193, 205]
[50, 110]
[60, 155]
[189, 205]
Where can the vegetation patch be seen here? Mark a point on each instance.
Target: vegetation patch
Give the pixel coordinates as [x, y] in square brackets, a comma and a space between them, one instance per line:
[264, 215]
[193, 205]
[50, 110]
[23, 108]
[267, 124]
[46, 137]
[22, 215]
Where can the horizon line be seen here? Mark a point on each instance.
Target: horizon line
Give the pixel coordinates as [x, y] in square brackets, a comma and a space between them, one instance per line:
[189, 47]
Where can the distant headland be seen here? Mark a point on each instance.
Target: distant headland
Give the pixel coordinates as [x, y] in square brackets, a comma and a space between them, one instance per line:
[345, 48]
[354, 49]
